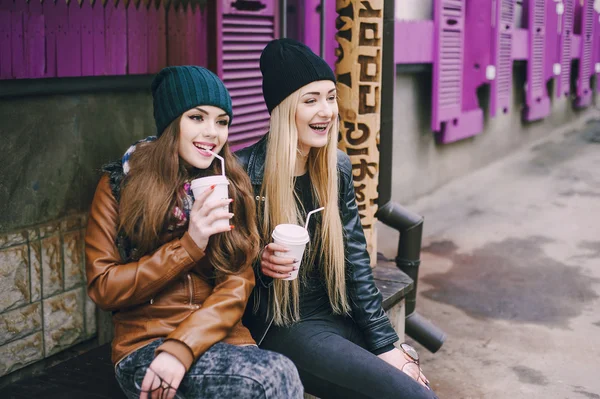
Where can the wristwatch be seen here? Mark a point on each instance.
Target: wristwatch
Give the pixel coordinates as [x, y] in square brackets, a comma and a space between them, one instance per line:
[410, 352]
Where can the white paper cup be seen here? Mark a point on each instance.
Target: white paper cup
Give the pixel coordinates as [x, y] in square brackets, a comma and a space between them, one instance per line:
[294, 238]
[220, 192]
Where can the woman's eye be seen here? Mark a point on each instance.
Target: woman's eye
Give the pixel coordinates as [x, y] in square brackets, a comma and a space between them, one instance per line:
[223, 122]
[309, 101]
[331, 98]
[196, 117]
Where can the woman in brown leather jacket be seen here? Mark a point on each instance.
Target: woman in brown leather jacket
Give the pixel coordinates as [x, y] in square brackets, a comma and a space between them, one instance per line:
[176, 283]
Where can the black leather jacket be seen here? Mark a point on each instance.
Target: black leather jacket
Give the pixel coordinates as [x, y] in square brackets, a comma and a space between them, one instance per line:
[365, 298]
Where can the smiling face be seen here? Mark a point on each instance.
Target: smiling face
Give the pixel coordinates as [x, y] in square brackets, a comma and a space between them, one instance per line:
[317, 110]
[202, 128]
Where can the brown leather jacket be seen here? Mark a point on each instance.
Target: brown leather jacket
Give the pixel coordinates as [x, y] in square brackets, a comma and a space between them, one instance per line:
[168, 294]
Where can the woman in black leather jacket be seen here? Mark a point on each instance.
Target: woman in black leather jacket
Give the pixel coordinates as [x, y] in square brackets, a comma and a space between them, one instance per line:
[330, 319]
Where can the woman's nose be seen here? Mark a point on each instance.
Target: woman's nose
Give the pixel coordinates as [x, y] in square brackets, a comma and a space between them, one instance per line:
[209, 131]
[326, 111]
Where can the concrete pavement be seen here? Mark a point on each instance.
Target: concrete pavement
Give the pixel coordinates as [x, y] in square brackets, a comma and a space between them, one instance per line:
[511, 272]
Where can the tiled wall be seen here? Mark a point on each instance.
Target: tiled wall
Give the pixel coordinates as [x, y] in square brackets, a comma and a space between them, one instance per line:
[44, 307]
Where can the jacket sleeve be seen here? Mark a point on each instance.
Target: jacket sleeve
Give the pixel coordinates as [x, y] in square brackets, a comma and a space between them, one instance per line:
[365, 298]
[113, 284]
[210, 324]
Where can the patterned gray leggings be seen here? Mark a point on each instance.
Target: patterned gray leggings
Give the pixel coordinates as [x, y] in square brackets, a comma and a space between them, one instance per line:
[224, 371]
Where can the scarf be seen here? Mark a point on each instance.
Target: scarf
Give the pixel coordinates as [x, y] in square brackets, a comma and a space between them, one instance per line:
[180, 215]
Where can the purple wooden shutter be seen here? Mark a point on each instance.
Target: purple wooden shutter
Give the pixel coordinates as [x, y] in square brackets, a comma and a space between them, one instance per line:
[584, 91]
[242, 35]
[476, 58]
[447, 63]
[536, 99]
[596, 46]
[552, 34]
[566, 37]
[501, 87]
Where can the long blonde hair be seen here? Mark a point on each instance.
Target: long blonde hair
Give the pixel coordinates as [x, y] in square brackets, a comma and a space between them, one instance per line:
[280, 207]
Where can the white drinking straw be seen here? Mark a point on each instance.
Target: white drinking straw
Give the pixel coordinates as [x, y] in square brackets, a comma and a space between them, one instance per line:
[308, 216]
[222, 161]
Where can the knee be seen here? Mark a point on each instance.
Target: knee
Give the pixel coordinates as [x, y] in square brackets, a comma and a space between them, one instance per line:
[279, 377]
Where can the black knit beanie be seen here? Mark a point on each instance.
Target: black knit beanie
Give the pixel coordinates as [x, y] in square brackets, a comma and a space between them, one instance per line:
[178, 89]
[287, 65]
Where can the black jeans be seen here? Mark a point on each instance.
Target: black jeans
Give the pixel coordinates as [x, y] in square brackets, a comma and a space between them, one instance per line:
[330, 356]
[224, 371]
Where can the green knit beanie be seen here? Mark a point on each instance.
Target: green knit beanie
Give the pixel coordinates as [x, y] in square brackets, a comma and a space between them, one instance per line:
[178, 89]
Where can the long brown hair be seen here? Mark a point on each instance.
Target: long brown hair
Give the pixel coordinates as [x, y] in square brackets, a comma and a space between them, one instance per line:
[153, 186]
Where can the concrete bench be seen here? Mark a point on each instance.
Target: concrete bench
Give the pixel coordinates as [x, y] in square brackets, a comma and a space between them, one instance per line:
[91, 374]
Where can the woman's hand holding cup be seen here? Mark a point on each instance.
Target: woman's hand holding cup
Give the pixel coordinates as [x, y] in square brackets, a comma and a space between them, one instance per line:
[276, 266]
[203, 216]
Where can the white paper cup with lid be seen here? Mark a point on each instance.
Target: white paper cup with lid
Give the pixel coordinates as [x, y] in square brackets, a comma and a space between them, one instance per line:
[294, 238]
[221, 191]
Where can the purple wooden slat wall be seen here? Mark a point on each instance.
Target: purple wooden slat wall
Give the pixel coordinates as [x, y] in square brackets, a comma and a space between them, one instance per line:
[180, 30]
[201, 35]
[5, 39]
[566, 37]
[35, 51]
[447, 65]
[18, 59]
[87, 39]
[115, 19]
[153, 44]
[191, 47]
[56, 39]
[172, 36]
[61, 17]
[584, 90]
[537, 103]
[137, 38]
[51, 30]
[157, 39]
[502, 38]
[99, 34]
[75, 37]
